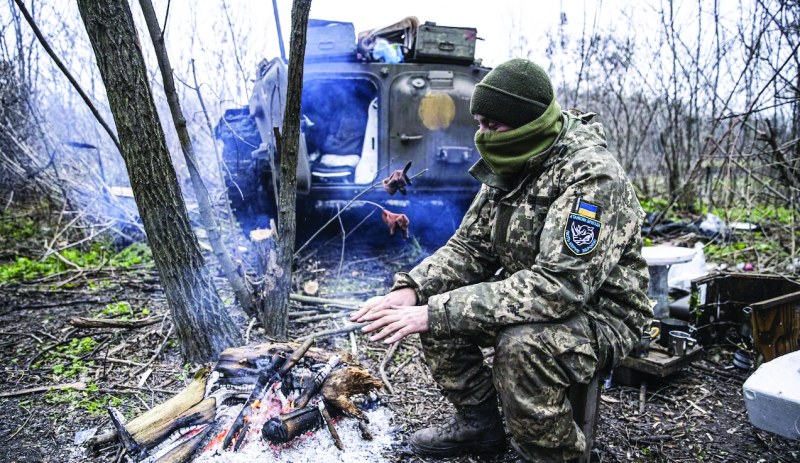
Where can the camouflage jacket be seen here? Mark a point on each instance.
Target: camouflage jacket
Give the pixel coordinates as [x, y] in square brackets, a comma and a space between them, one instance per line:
[564, 238]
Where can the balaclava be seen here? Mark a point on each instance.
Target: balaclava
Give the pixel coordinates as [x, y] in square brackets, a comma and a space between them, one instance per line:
[517, 93]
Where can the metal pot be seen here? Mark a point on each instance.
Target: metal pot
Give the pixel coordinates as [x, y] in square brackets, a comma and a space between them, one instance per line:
[668, 325]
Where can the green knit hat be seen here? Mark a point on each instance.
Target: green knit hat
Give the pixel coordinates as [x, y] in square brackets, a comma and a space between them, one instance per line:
[515, 93]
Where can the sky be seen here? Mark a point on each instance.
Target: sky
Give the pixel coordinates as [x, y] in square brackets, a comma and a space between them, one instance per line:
[492, 19]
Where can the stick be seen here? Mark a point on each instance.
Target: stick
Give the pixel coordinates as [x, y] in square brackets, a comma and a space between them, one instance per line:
[323, 410]
[316, 318]
[642, 397]
[322, 334]
[365, 434]
[82, 322]
[353, 344]
[158, 352]
[341, 303]
[249, 328]
[78, 386]
[30, 414]
[384, 363]
[296, 356]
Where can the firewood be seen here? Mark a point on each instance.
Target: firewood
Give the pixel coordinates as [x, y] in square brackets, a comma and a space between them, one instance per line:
[156, 422]
[326, 416]
[196, 406]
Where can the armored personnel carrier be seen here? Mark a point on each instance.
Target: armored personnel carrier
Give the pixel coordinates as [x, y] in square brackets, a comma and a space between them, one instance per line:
[369, 106]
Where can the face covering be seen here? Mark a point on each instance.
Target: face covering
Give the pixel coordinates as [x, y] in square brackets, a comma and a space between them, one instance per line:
[508, 152]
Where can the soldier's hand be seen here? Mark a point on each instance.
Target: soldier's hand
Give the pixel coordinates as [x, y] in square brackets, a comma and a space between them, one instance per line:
[399, 297]
[397, 322]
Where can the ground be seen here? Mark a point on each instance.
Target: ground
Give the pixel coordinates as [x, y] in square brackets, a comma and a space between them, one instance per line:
[698, 415]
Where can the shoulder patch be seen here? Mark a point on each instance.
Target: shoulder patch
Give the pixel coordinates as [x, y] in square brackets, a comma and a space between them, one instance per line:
[582, 230]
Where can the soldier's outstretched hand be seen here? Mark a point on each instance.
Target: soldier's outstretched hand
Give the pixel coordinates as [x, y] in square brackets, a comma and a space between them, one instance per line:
[396, 322]
[402, 296]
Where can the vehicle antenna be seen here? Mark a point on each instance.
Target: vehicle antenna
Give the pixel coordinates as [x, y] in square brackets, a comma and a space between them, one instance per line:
[278, 26]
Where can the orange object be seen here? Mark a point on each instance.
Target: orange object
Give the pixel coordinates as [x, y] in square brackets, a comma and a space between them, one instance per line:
[395, 221]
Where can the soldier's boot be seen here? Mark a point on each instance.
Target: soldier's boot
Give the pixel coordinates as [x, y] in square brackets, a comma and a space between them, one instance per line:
[473, 429]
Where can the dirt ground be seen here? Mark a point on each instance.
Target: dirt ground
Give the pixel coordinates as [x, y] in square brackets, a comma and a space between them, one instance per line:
[698, 415]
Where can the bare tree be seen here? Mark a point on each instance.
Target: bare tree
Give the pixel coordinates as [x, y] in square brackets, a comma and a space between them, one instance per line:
[203, 326]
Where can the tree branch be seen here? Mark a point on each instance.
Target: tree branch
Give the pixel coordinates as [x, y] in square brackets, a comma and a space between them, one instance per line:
[238, 283]
[67, 74]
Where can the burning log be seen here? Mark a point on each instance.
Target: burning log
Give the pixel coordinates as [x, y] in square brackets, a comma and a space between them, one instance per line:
[266, 379]
[283, 428]
[312, 389]
[181, 453]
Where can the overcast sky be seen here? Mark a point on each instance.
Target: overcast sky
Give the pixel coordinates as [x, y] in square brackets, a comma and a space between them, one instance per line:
[492, 19]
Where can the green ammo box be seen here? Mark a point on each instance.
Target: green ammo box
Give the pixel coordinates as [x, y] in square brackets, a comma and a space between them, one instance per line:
[441, 43]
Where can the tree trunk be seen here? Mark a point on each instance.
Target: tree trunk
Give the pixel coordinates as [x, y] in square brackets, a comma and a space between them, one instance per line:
[203, 326]
[274, 307]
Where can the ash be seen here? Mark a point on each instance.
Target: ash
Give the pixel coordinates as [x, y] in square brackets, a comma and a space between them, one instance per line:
[317, 446]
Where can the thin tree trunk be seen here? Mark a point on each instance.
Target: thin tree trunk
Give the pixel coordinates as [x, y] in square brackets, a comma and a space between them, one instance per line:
[203, 326]
[274, 307]
[238, 283]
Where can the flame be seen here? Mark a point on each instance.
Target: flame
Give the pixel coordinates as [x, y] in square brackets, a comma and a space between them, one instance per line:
[256, 404]
[216, 442]
[289, 407]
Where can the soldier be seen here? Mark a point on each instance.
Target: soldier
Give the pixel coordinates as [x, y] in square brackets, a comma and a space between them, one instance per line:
[546, 267]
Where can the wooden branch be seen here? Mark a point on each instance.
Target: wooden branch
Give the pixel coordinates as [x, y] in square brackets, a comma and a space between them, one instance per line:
[389, 355]
[223, 168]
[83, 322]
[340, 303]
[78, 386]
[322, 334]
[326, 416]
[157, 352]
[316, 318]
[642, 397]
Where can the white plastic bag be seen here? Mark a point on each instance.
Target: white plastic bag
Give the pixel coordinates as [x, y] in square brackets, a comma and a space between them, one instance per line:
[681, 275]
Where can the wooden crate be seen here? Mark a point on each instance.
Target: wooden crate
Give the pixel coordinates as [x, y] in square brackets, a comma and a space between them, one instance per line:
[762, 311]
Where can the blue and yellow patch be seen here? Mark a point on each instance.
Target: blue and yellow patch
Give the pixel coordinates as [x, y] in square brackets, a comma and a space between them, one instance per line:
[587, 209]
[582, 232]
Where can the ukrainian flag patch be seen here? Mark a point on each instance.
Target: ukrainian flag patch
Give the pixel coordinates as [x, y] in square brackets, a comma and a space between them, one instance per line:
[587, 209]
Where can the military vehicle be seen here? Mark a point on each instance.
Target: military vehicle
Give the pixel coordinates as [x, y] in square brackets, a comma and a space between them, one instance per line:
[397, 94]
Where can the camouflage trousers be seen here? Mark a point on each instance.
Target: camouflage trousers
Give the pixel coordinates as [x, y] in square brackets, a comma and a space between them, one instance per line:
[532, 368]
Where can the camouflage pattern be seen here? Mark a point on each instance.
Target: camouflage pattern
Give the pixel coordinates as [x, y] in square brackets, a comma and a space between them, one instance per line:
[508, 279]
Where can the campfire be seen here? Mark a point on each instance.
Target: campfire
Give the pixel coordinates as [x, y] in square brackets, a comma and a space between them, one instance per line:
[271, 399]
